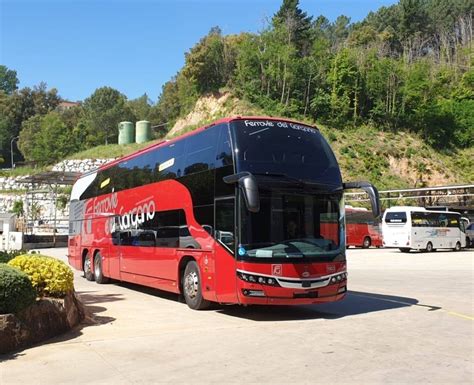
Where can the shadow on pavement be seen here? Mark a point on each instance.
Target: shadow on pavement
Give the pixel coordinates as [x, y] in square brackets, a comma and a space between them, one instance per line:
[151, 291]
[92, 318]
[90, 299]
[353, 304]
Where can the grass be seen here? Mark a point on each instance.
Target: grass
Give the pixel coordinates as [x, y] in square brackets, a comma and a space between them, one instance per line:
[111, 150]
[22, 171]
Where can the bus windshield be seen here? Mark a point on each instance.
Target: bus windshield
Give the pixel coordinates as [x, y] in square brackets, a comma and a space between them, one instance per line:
[292, 225]
[284, 148]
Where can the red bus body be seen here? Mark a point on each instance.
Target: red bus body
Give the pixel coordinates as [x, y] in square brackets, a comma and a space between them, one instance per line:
[148, 233]
[362, 230]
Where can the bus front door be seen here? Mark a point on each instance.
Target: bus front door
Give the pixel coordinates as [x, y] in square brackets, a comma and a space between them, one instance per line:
[224, 233]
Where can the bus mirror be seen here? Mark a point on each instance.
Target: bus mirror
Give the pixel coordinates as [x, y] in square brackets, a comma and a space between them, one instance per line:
[248, 185]
[371, 191]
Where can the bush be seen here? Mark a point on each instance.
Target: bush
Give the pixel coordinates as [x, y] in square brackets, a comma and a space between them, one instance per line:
[16, 290]
[6, 256]
[50, 277]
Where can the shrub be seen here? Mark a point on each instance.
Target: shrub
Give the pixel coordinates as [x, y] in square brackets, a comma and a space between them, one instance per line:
[16, 290]
[6, 256]
[49, 276]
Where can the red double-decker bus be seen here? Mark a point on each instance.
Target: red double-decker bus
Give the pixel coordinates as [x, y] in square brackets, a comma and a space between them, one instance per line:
[247, 210]
[362, 229]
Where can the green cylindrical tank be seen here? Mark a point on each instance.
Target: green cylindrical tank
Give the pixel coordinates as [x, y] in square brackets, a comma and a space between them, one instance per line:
[143, 131]
[126, 133]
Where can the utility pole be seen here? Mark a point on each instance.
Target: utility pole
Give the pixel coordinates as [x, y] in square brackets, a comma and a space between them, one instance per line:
[11, 150]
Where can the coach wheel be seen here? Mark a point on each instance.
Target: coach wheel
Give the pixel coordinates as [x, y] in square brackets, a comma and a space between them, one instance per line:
[367, 242]
[458, 246]
[87, 268]
[429, 247]
[404, 249]
[98, 273]
[192, 287]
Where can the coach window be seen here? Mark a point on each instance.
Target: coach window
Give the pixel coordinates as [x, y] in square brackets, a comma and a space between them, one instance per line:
[169, 163]
[201, 151]
[224, 149]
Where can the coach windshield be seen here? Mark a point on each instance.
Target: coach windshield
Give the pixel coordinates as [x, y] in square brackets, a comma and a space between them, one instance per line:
[280, 148]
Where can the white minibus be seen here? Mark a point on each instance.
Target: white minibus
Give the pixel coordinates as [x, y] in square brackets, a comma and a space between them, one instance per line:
[416, 228]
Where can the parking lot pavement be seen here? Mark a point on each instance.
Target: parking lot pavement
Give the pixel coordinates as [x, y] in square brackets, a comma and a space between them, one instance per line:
[408, 318]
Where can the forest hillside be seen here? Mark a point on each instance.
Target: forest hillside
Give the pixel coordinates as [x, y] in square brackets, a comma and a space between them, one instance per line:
[393, 93]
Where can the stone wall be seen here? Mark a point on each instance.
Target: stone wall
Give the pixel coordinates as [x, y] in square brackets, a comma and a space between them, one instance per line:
[16, 184]
[80, 165]
[47, 318]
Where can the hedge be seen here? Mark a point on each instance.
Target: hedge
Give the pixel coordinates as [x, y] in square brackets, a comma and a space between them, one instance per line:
[6, 256]
[16, 290]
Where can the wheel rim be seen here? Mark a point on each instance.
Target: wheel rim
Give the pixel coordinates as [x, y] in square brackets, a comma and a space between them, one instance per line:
[366, 242]
[191, 285]
[429, 247]
[87, 265]
[458, 246]
[97, 266]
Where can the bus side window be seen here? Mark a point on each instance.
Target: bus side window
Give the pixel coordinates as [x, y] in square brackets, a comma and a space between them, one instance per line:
[201, 151]
[224, 149]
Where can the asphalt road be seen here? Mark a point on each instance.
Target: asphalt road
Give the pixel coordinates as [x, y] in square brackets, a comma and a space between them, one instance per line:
[407, 319]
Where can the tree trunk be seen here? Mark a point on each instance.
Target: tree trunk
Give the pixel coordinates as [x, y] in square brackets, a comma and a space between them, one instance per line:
[307, 95]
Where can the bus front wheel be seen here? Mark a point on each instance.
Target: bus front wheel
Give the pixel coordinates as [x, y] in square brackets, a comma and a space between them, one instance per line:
[367, 242]
[192, 289]
[458, 246]
[98, 272]
[429, 247]
[87, 268]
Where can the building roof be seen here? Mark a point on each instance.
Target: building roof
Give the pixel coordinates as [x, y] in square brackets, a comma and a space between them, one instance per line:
[52, 177]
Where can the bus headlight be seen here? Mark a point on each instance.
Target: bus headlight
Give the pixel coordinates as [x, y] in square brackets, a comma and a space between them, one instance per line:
[253, 278]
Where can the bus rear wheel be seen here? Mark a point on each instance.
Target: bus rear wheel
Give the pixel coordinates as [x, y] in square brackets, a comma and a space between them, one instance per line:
[87, 268]
[458, 246]
[367, 242]
[98, 272]
[404, 249]
[192, 289]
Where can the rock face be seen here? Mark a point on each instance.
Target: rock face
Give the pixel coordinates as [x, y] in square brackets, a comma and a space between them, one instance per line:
[47, 318]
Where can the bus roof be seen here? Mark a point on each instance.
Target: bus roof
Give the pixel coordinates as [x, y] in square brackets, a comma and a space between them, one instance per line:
[417, 208]
[163, 142]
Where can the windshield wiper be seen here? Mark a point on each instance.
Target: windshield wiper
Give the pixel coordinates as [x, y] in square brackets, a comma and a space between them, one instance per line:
[301, 182]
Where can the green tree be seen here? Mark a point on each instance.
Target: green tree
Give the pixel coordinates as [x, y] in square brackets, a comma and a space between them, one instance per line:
[205, 62]
[18, 209]
[297, 23]
[36, 139]
[19, 107]
[140, 107]
[8, 80]
[103, 110]
[29, 137]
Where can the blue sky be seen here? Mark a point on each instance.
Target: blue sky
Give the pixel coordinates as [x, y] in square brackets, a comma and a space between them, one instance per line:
[77, 46]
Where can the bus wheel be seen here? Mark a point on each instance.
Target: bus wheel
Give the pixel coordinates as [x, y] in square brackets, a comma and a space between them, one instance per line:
[404, 249]
[367, 242]
[458, 246]
[98, 273]
[192, 287]
[429, 247]
[87, 268]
